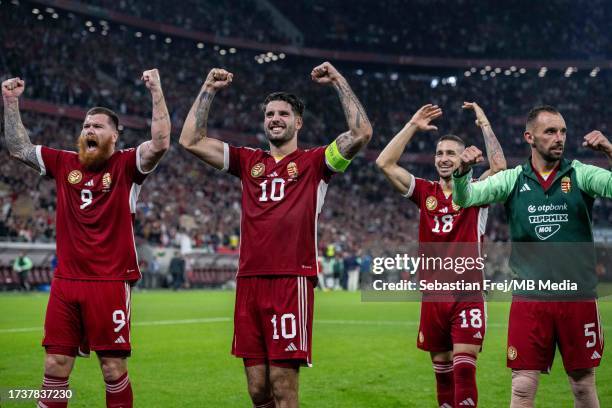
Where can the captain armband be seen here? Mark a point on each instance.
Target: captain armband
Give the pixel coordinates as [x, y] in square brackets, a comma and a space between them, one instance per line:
[334, 158]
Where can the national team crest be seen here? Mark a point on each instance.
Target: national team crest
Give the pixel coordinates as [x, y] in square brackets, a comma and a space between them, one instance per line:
[566, 184]
[456, 207]
[106, 180]
[75, 177]
[292, 170]
[512, 353]
[258, 170]
[431, 203]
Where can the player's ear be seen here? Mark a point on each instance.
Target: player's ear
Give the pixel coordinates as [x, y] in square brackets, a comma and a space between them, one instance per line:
[528, 136]
[299, 121]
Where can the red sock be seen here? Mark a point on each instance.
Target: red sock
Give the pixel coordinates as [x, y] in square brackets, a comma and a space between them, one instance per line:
[466, 393]
[119, 393]
[269, 404]
[53, 383]
[445, 385]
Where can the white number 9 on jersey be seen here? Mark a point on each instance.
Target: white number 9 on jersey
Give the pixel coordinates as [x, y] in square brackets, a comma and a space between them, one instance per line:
[86, 198]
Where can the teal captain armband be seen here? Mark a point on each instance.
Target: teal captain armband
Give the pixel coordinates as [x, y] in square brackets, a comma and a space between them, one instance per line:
[334, 158]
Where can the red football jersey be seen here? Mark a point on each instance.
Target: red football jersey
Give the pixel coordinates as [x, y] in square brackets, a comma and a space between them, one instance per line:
[442, 221]
[95, 214]
[281, 202]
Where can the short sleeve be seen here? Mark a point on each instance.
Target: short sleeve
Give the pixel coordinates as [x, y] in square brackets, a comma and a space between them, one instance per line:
[133, 169]
[48, 160]
[232, 159]
[417, 189]
[325, 171]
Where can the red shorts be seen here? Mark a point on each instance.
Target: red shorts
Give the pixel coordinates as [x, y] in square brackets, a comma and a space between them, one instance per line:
[91, 314]
[273, 318]
[446, 323]
[535, 328]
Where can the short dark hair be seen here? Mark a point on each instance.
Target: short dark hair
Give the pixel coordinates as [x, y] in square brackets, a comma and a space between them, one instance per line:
[454, 138]
[296, 103]
[533, 114]
[104, 111]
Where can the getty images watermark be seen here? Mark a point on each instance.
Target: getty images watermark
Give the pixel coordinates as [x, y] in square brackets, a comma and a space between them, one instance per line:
[550, 271]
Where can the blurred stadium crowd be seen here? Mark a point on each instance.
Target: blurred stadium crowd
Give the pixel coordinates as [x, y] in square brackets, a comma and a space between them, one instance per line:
[72, 59]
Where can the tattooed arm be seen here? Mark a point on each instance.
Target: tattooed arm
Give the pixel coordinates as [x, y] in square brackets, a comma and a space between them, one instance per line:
[495, 154]
[360, 129]
[15, 134]
[153, 150]
[194, 137]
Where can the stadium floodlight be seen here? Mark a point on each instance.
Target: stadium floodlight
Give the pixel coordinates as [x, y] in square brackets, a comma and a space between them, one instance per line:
[232, 50]
[497, 70]
[359, 72]
[507, 72]
[488, 68]
[168, 40]
[452, 80]
[104, 32]
[222, 51]
[274, 58]
[467, 73]
[493, 74]
[88, 23]
[92, 29]
[394, 76]
[200, 45]
[137, 34]
[152, 37]
[473, 69]
[513, 68]
[522, 70]
[55, 16]
[281, 55]
[483, 72]
[40, 17]
[270, 53]
[50, 10]
[35, 11]
[434, 82]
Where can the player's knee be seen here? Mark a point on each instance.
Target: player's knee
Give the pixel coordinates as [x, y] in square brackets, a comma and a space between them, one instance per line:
[582, 383]
[524, 386]
[58, 365]
[112, 368]
[284, 384]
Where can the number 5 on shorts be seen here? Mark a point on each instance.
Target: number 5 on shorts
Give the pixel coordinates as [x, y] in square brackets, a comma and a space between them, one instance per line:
[590, 333]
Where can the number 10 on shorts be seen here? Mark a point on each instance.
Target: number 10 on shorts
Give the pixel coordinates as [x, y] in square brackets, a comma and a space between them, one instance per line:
[286, 321]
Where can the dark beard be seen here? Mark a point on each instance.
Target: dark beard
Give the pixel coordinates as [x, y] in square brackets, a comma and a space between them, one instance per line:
[94, 160]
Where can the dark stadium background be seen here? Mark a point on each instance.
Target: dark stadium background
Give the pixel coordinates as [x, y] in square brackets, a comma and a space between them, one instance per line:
[397, 55]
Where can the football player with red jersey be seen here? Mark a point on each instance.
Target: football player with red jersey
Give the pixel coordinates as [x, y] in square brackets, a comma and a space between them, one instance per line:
[282, 194]
[97, 188]
[452, 325]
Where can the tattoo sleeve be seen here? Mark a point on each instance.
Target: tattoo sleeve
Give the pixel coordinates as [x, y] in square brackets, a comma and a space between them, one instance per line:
[16, 136]
[201, 113]
[160, 121]
[360, 129]
[495, 154]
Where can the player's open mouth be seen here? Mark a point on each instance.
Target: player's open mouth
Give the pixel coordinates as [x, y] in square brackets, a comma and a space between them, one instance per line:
[276, 129]
[91, 145]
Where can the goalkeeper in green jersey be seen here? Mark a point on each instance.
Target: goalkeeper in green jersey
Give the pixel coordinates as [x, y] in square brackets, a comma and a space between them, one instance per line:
[548, 201]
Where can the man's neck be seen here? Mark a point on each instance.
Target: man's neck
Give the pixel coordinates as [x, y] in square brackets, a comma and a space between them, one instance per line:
[278, 152]
[542, 165]
[446, 184]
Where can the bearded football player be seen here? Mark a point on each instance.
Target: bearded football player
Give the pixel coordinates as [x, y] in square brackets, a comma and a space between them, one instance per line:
[97, 188]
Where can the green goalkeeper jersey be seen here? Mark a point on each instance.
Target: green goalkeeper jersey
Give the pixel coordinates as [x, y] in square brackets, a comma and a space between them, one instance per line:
[552, 238]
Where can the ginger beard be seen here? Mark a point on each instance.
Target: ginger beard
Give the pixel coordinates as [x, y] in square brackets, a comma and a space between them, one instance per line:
[93, 152]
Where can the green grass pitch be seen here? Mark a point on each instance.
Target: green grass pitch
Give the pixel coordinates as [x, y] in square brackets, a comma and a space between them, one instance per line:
[364, 355]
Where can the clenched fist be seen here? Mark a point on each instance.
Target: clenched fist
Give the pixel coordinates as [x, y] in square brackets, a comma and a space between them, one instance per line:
[217, 78]
[13, 88]
[481, 118]
[325, 74]
[470, 156]
[151, 79]
[597, 141]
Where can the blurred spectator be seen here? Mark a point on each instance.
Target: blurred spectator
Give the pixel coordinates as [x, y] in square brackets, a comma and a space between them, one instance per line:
[22, 266]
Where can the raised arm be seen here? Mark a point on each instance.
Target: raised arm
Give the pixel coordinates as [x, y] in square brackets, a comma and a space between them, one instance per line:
[495, 154]
[494, 189]
[596, 140]
[360, 130]
[153, 150]
[194, 137]
[388, 159]
[15, 134]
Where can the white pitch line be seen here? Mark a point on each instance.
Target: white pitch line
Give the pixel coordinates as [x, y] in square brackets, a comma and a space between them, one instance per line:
[227, 319]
